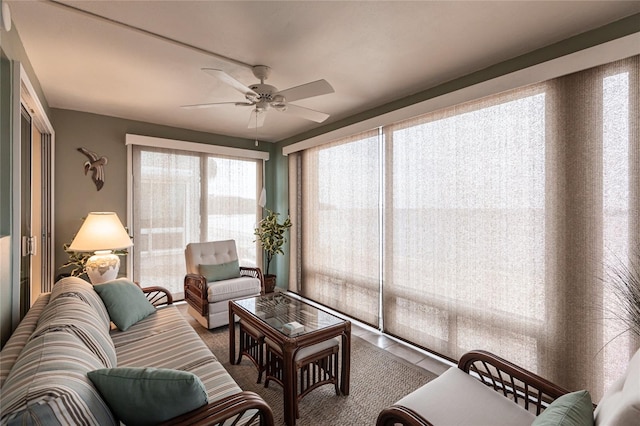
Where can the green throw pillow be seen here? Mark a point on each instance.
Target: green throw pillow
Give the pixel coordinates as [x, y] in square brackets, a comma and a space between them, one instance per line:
[572, 409]
[222, 271]
[125, 302]
[146, 396]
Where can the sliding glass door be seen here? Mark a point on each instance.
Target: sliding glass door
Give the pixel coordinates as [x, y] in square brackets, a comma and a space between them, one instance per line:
[181, 197]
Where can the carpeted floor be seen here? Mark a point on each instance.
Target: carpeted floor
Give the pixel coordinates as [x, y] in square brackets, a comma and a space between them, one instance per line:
[378, 379]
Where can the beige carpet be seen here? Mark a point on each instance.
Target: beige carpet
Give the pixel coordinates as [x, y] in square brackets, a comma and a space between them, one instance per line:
[378, 379]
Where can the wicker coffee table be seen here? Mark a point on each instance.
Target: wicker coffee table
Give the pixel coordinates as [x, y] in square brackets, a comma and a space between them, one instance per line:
[267, 315]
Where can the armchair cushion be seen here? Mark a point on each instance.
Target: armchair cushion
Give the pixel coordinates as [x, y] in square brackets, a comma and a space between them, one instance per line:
[125, 302]
[221, 271]
[146, 396]
[234, 288]
[572, 409]
[441, 400]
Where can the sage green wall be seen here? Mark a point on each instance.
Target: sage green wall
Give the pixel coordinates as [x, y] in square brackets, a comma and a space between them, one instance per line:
[76, 194]
[278, 197]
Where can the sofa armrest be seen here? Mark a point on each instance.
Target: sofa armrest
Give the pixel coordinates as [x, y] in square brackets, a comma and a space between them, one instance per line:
[158, 296]
[195, 293]
[400, 415]
[514, 382]
[246, 271]
[228, 409]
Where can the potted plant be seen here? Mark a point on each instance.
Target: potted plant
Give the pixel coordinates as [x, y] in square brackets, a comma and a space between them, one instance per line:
[77, 261]
[270, 233]
[624, 280]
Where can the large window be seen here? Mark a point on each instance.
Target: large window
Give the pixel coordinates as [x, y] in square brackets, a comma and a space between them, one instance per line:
[498, 221]
[341, 227]
[465, 221]
[181, 197]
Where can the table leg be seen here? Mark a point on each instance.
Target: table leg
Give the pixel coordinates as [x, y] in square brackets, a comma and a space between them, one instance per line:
[345, 374]
[289, 374]
[232, 335]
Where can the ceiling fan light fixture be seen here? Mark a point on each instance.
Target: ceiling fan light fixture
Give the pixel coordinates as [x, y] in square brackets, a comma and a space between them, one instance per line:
[262, 105]
[279, 103]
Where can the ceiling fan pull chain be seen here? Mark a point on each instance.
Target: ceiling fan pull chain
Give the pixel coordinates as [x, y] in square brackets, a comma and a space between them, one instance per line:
[256, 126]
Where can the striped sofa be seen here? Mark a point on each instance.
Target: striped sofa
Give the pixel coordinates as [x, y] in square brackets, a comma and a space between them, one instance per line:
[67, 333]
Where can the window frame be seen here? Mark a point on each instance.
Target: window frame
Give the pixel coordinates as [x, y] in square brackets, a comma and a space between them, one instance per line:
[205, 151]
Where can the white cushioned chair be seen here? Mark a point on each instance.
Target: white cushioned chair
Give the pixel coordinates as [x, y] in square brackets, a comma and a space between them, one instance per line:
[213, 278]
[480, 392]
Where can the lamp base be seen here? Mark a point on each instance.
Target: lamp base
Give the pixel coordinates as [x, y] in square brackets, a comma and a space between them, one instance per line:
[102, 267]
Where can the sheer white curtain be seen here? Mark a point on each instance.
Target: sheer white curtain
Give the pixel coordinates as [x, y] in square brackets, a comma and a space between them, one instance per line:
[465, 227]
[340, 226]
[621, 157]
[181, 197]
[500, 219]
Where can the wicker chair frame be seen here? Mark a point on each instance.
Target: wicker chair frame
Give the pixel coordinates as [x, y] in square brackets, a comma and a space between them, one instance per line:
[519, 385]
[195, 288]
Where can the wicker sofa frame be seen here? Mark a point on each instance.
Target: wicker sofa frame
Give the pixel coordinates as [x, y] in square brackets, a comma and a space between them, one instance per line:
[228, 410]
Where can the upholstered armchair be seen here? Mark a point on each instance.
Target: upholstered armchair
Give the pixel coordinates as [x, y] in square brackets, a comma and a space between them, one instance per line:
[487, 390]
[214, 277]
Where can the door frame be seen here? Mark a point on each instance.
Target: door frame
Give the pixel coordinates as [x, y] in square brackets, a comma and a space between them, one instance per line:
[24, 93]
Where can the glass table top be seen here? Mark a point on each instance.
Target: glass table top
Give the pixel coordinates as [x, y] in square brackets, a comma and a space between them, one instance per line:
[278, 309]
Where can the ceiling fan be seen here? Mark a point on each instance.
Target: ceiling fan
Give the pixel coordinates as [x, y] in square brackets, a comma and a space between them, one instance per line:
[263, 96]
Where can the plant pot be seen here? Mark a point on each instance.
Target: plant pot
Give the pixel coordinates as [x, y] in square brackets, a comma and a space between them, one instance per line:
[269, 283]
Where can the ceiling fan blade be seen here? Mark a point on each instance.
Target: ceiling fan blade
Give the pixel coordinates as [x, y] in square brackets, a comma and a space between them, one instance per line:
[213, 104]
[307, 113]
[309, 90]
[226, 78]
[257, 118]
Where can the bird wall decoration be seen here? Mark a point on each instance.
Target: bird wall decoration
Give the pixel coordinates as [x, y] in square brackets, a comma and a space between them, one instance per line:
[96, 165]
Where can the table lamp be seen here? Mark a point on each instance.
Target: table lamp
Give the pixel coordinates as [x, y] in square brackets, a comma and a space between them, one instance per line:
[101, 233]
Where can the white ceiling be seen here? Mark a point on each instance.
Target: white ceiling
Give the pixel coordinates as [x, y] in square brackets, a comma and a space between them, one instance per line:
[371, 52]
